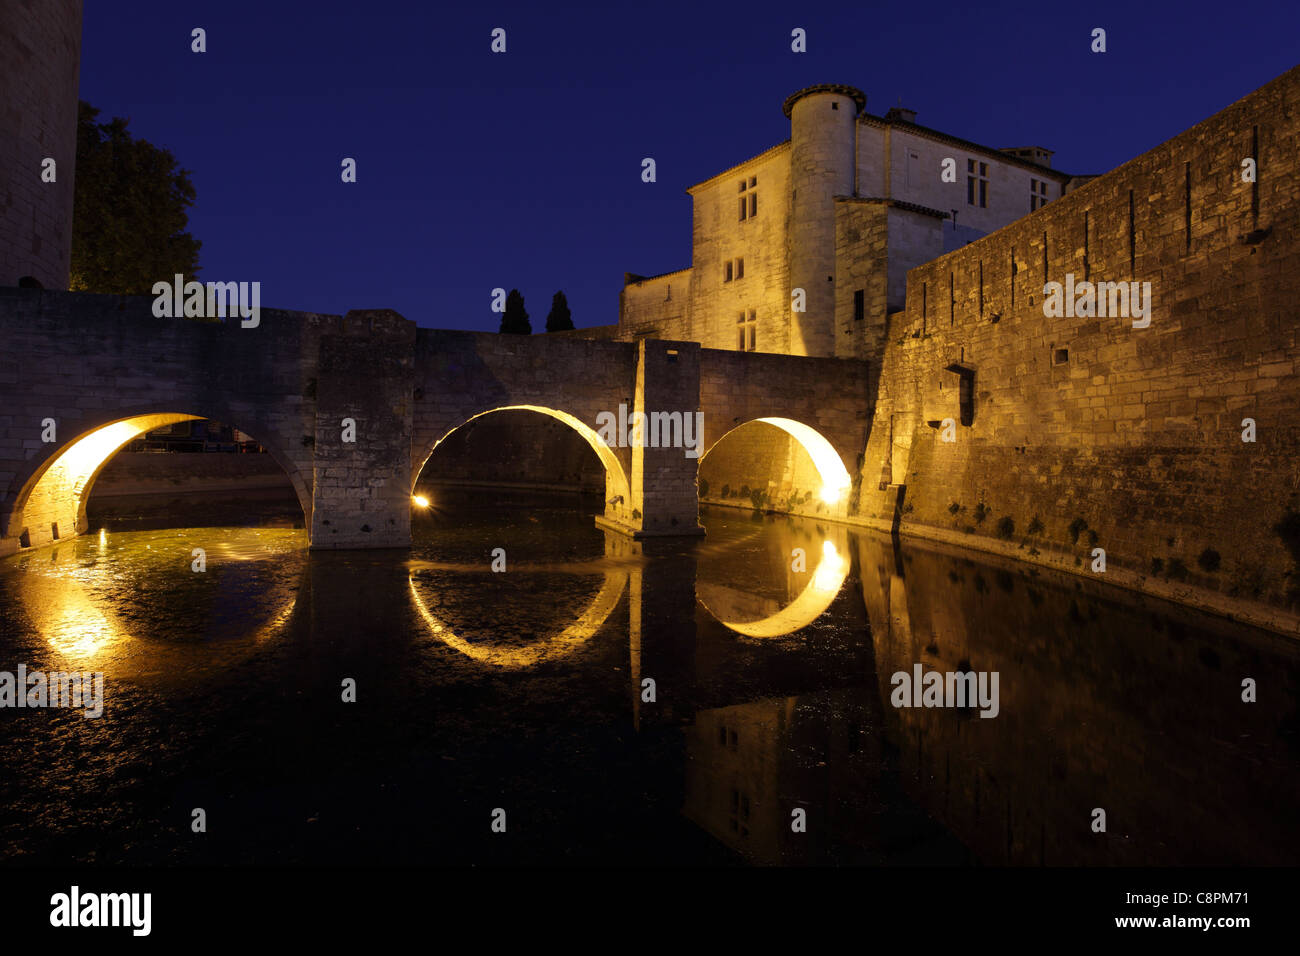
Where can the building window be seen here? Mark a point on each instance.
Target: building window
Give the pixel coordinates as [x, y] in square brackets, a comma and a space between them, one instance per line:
[733, 269]
[748, 198]
[1061, 357]
[739, 812]
[726, 271]
[740, 268]
[859, 305]
[747, 331]
[977, 184]
[1037, 193]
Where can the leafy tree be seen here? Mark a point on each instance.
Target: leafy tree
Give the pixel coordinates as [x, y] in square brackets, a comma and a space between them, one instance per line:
[129, 213]
[560, 318]
[514, 321]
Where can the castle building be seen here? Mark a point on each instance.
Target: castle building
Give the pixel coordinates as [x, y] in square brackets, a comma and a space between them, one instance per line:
[841, 210]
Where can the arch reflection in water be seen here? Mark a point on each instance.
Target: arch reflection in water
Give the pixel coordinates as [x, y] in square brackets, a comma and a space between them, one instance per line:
[501, 655]
[753, 596]
[111, 602]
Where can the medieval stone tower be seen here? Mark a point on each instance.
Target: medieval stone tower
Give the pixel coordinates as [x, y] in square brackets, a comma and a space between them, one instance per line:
[831, 219]
[823, 123]
[40, 51]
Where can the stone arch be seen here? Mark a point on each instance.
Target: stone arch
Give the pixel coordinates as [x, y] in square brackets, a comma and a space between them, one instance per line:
[835, 479]
[618, 495]
[48, 496]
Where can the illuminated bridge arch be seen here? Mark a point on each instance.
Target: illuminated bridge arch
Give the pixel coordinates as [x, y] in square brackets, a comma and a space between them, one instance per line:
[617, 490]
[49, 496]
[834, 481]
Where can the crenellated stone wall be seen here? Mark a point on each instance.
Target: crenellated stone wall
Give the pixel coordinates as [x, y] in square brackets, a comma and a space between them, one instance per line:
[1092, 432]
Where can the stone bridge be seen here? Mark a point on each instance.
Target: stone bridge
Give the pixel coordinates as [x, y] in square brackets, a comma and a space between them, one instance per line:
[351, 407]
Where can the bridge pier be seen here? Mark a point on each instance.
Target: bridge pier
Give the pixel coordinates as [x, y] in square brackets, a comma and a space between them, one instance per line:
[362, 475]
[664, 491]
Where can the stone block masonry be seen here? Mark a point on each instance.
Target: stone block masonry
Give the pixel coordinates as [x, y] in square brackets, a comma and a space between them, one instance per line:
[89, 361]
[104, 369]
[664, 478]
[40, 49]
[1077, 432]
[362, 474]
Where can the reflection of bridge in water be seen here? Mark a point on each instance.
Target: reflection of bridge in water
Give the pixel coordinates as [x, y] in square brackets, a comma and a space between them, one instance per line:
[1097, 688]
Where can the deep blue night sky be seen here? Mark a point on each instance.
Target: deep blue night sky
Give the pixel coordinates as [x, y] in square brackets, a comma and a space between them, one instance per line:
[478, 170]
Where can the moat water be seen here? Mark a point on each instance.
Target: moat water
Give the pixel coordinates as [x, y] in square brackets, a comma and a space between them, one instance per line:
[717, 701]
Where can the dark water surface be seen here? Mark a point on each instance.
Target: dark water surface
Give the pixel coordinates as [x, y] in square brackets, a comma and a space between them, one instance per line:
[524, 690]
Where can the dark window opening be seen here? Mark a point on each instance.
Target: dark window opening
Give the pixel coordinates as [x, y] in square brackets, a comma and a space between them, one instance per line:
[747, 331]
[1037, 194]
[54, 530]
[1061, 357]
[965, 392]
[748, 198]
[977, 184]
[859, 305]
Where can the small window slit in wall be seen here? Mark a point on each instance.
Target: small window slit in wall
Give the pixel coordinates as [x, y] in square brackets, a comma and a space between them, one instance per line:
[952, 298]
[1132, 240]
[1013, 277]
[1044, 258]
[54, 530]
[1187, 204]
[981, 288]
[1086, 264]
[1254, 187]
